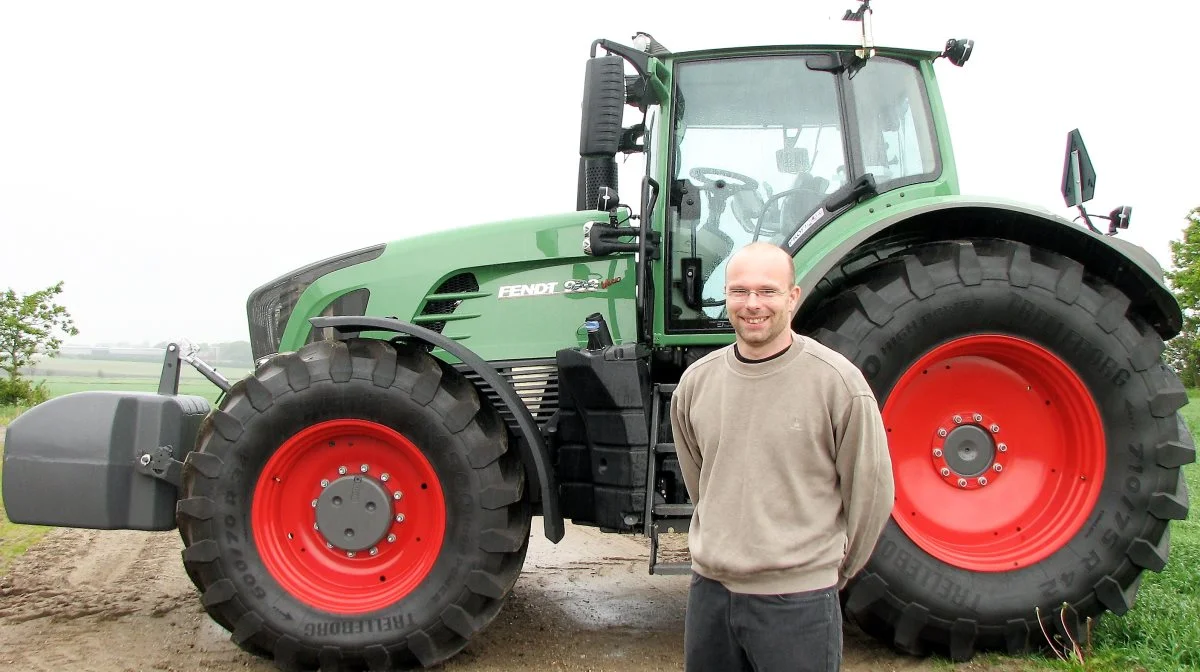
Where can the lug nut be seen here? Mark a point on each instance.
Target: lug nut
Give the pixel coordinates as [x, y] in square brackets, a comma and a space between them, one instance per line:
[391, 538]
[328, 545]
[977, 417]
[998, 467]
[399, 517]
[937, 452]
[962, 482]
[397, 494]
[374, 551]
[314, 503]
[324, 482]
[982, 480]
[942, 433]
[316, 527]
[384, 477]
[1002, 447]
[364, 468]
[342, 471]
[957, 419]
[349, 554]
[995, 428]
[945, 471]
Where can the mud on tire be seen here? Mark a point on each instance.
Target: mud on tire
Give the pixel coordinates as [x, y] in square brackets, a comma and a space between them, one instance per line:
[287, 593]
[1025, 320]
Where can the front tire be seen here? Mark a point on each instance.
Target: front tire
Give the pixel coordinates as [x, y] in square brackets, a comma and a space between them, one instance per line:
[354, 505]
[1035, 442]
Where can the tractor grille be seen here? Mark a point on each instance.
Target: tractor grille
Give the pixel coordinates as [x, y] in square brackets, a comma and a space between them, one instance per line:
[463, 282]
[536, 382]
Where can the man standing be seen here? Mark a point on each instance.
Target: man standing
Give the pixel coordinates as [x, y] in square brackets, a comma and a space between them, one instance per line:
[784, 454]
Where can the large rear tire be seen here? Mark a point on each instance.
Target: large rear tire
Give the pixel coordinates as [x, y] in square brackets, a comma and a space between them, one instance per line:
[1035, 443]
[353, 505]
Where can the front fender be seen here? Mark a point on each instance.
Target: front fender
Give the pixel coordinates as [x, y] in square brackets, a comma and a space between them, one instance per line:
[1129, 267]
[533, 450]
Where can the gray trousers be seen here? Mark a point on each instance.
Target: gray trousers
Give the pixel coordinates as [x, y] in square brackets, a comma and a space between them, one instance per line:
[726, 632]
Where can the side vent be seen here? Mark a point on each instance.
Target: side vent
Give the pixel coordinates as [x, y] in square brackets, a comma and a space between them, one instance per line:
[350, 303]
[536, 382]
[463, 283]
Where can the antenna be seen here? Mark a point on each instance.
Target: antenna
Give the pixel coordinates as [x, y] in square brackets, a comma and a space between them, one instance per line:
[863, 15]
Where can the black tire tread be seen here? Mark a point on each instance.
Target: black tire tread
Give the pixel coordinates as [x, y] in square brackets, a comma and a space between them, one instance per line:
[869, 296]
[428, 382]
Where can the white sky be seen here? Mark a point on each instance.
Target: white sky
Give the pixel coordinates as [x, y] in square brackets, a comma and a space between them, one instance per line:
[164, 159]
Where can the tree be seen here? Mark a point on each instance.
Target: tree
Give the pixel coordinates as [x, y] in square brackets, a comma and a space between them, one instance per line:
[30, 326]
[1183, 351]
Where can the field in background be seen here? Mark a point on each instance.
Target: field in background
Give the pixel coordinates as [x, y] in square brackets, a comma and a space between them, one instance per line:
[66, 375]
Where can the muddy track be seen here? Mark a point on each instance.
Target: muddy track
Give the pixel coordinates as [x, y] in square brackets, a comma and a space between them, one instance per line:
[114, 601]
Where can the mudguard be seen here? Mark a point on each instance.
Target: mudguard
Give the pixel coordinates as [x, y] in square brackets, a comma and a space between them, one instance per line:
[100, 460]
[1130, 268]
[533, 450]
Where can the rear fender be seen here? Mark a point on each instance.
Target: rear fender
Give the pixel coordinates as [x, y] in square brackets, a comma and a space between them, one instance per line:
[1130, 268]
[534, 454]
[100, 460]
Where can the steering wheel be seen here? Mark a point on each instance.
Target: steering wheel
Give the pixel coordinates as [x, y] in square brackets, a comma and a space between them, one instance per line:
[705, 176]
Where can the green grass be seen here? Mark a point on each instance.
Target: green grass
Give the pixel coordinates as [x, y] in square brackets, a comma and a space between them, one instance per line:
[64, 375]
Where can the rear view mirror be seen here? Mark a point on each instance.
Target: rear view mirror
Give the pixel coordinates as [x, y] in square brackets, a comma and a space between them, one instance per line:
[1079, 177]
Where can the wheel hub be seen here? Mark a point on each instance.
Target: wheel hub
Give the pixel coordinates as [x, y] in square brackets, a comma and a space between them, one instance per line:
[966, 451]
[354, 513]
[969, 451]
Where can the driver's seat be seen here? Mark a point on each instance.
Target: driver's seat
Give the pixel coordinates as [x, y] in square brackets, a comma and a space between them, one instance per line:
[801, 204]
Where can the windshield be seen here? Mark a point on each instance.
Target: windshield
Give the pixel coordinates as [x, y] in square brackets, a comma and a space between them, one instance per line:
[760, 143]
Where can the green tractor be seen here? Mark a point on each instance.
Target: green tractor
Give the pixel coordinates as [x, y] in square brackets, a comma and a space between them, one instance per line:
[364, 498]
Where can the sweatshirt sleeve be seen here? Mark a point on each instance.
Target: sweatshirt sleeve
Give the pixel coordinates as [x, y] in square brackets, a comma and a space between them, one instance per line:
[687, 450]
[864, 468]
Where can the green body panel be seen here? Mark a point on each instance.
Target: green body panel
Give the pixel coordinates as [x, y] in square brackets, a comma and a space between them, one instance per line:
[519, 252]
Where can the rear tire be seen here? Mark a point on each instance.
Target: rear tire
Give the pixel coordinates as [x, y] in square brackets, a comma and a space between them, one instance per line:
[994, 342]
[425, 556]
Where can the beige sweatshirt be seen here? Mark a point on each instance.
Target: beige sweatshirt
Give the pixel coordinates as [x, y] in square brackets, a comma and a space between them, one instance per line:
[786, 461]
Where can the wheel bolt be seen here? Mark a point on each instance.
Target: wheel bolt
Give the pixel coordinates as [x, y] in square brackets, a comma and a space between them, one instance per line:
[374, 551]
[998, 467]
[945, 471]
[977, 417]
[314, 503]
[397, 494]
[962, 482]
[316, 527]
[328, 545]
[384, 477]
[342, 471]
[399, 517]
[1002, 447]
[982, 480]
[324, 482]
[391, 538]
[957, 419]
[937, 452]
[942, 433]
[349, 554]
[364, 468]
[995, 428]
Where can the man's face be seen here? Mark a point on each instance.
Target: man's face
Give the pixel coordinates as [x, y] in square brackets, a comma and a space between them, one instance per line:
[760, 298]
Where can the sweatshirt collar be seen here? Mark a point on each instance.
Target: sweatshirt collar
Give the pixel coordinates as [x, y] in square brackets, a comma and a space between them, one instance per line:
[767, 366]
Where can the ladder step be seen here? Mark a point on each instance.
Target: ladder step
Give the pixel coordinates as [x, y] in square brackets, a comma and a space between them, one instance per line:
[677, 525]
[673, 510]
[672, 568]
[664, 448]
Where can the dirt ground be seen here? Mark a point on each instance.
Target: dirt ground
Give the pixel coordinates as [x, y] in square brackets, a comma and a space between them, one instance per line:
[117, 601]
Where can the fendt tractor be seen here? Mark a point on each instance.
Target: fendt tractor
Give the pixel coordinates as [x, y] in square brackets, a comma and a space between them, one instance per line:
[364, 498]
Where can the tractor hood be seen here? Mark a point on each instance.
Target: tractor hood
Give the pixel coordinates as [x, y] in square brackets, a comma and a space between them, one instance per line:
[510, 289]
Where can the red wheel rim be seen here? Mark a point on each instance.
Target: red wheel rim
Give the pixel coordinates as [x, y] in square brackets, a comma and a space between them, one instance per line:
[302, 558]
[1045, 434]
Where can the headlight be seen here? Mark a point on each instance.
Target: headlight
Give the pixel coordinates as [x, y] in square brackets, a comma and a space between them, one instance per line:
[270, 306]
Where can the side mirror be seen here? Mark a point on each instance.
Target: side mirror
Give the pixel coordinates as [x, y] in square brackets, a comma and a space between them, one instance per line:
[958, 51]
[1119, 219]
[1079, 177]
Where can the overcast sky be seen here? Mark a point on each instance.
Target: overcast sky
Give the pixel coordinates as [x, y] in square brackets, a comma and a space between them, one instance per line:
[164, 159]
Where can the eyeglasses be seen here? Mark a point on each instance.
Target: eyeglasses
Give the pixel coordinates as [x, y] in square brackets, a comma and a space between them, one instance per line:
[739, 294]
